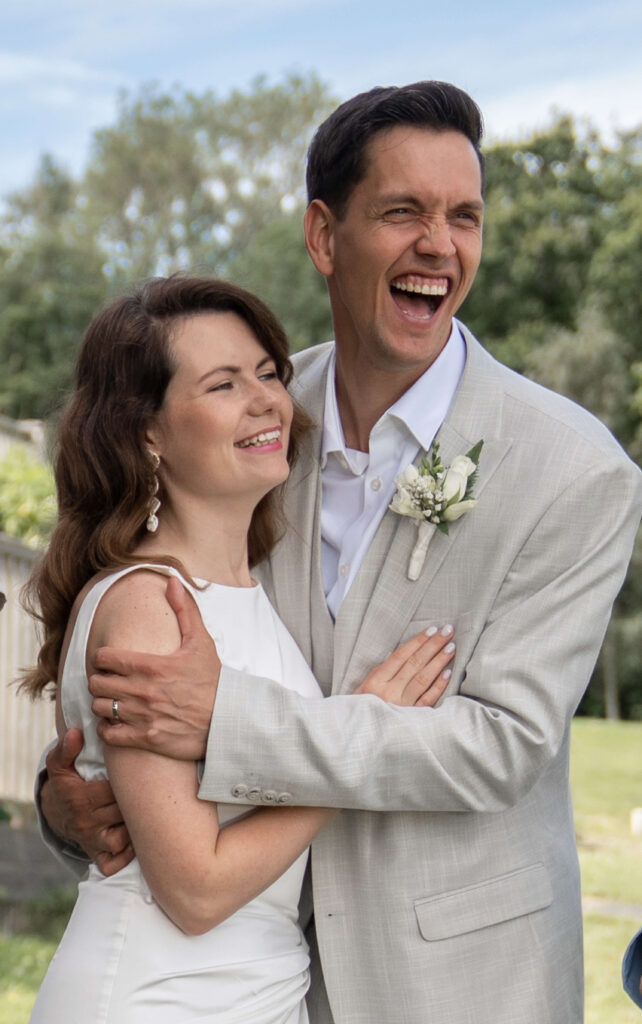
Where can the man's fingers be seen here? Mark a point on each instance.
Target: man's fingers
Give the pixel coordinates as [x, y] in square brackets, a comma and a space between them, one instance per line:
[72, 744]
[131, 710]
[116, 839]
[111, 864]
[107, 816]
[111, 660]
[123, 735]
[186, 611]
[63, 755]
[117, 687]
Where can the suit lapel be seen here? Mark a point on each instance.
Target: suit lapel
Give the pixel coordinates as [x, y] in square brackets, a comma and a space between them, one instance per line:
[297, 585]
[382, 600]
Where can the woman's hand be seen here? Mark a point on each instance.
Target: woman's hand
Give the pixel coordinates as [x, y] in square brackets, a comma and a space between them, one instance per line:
[416, 673]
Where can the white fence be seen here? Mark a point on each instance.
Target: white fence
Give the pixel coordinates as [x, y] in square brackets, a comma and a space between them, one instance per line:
[25, 727]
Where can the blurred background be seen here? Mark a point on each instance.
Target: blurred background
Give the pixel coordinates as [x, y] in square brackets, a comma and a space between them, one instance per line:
[139, 138]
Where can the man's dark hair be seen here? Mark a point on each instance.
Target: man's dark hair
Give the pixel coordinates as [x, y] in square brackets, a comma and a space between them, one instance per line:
[337, 158]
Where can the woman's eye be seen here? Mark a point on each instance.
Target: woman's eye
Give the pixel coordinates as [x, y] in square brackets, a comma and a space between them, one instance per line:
[225, 385]
[268, 375]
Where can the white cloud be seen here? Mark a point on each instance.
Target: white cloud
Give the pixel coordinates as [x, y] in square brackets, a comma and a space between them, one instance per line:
[610, 101]
[20, 69]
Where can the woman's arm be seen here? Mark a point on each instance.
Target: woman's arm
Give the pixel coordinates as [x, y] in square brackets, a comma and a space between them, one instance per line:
[198, 873]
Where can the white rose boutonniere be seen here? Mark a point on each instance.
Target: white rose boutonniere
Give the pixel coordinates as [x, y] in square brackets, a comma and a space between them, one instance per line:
[434, 496]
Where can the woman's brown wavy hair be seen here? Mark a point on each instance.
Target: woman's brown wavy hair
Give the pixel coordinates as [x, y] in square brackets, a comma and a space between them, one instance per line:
[103, 474]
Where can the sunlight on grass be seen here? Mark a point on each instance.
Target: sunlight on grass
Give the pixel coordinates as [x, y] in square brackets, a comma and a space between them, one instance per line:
[23, 962]
[605, 939]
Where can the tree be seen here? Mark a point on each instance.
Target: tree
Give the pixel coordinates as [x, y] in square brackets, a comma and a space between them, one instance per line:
[183, 180]
[544, 218]
[51, 282]
[179, 181]
[591, 366]
[277, 267]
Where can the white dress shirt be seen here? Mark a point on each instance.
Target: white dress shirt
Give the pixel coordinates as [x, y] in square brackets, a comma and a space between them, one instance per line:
[358, 486]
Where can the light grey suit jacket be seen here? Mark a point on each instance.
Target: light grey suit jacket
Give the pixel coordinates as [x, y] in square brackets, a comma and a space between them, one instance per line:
[448, 890]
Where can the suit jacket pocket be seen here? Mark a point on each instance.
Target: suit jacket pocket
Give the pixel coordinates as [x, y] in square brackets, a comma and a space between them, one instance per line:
[486, 903]
[463, 623]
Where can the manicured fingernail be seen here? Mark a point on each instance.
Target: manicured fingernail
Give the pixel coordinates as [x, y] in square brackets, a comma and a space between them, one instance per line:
[446, 630]
[449, 648]
[431, 630]
[446, 674]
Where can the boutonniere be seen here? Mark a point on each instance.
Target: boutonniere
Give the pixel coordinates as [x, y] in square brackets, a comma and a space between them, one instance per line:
[435, 496]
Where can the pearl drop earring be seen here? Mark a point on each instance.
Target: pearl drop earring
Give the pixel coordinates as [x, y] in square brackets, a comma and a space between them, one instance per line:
[153, 504]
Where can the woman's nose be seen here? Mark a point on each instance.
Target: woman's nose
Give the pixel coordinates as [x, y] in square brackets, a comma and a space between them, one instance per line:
[261, 397]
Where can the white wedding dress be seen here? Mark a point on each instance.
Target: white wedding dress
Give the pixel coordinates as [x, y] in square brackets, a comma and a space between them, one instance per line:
[121, 960]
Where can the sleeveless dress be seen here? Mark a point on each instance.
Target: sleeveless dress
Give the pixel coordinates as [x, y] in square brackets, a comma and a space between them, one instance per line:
[121, 959]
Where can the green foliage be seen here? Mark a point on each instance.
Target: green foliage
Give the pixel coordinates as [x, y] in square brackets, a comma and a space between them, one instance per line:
[543, 221]
[51, 282]
[179, 181]
[275, 265]
[27, 502]
[183, 180]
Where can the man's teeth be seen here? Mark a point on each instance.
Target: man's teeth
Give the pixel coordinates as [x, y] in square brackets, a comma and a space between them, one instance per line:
[434, 288]
[259, 439]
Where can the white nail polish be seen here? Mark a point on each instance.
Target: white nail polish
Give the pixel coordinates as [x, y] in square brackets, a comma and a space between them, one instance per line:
[449, 648]
[446, 674]
[431, 630]
[446, 630]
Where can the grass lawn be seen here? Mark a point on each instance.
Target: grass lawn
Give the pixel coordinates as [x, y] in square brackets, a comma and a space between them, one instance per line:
[23, 962]
[606, 779]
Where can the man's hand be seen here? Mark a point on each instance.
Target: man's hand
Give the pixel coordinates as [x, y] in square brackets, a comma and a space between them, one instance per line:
[165, 702]
[84, 812]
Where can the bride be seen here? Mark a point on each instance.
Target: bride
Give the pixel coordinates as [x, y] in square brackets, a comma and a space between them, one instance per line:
[170, 458]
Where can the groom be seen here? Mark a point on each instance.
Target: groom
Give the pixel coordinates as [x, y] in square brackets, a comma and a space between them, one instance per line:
[448, 889]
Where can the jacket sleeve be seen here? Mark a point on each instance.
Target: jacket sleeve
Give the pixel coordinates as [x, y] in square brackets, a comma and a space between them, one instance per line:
[632, 969]
[482, 749]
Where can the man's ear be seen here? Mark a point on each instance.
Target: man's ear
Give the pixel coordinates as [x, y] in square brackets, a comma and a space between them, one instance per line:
[318, 226]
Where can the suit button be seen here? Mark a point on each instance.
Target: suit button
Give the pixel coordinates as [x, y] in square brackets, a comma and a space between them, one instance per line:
[239, 790]
[270, 796]
[254, 795]
[284, 798]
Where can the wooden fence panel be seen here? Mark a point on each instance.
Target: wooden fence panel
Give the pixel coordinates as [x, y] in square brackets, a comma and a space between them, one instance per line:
[25, 727]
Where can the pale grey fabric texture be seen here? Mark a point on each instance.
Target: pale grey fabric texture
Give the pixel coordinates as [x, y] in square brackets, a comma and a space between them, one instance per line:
[448, 890]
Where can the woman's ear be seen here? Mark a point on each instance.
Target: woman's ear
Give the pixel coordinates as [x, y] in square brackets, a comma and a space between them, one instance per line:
[318, 226]
[151, 438]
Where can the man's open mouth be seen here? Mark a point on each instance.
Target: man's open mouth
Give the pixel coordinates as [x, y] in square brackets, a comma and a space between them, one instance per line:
[418, 296]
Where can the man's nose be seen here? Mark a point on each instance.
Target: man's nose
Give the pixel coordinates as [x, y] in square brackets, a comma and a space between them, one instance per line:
[434, 238]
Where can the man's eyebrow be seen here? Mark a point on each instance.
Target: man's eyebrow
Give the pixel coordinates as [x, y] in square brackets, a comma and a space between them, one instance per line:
[398, 199]
[409, 199]
[471, 204]
[234, 369]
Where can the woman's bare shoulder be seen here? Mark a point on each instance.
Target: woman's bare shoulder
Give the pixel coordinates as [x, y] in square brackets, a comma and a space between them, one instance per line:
[134, 613]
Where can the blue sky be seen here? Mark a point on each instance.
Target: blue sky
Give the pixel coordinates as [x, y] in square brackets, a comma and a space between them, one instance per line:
[62, 65]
